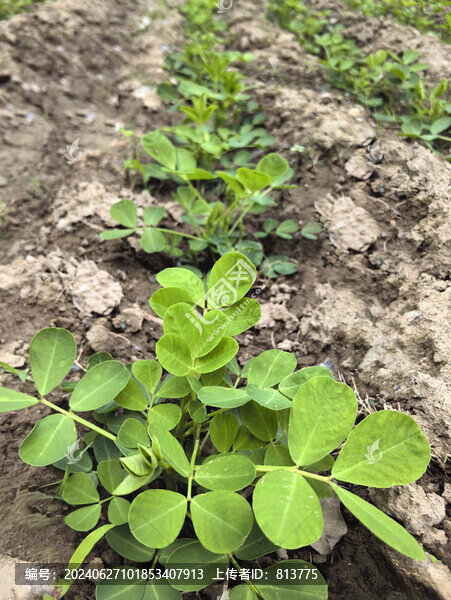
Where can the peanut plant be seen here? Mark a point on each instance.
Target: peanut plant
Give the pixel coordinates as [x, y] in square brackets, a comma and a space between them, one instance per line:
[190, 459]
[211, 158]
[391, 85]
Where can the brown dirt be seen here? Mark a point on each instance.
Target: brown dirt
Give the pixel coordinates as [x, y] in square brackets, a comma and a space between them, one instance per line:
[372, 294]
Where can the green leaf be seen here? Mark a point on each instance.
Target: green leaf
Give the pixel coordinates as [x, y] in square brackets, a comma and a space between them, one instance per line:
[182, 278]
[122, 541]
[198, 175]
[132, 433]
[202, 334]
[130, 590]
[80, 489]
[291, 384]
[164, 415]
[287, 511]
[273, 165]
[185, 160]
[52, 354]
[268, 397]
[174, 354]
[110, 474]
[223, 429]
[136, 465]
[130, 484]
[311, 230]
[260, 421]
[255, 545]
[232, 182]
[192, 555]
[270, 367]
[12, 400]
[286, 228]
[22, 374]
[221, 520]
[278, 456]
[232, 473]
[385, 528]
[125, 213]
[230, 279]
[387, 448]
[221, 397]
[241, 592]
[218, 357]
[412, 126]
[156, 517]
[171, 449]
[440, 125]
[160, 148]
[197, 411]
[241, 316]
[97, 358]
[409, 56]
[49, 441]
[312, 586]
[324, 464]
[99, 385]
[152, 215]
[173, 387]
[105, 449]
[252, 180]
[167, 296]
[118, 511]
[81, 552]
[160, 591]
[83, 519]
[131, 397]
[322, 415]
[153, 240]
[115, 234]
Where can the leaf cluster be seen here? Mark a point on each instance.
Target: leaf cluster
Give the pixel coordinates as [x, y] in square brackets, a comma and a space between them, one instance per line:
[192, 459]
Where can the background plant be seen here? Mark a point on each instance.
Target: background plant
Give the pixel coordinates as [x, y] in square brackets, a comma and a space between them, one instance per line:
[425, 15]
[388, 83]
[169, 495]
[219, 180]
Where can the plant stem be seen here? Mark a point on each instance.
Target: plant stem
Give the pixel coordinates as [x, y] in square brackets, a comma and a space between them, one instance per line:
[192, 463]
[74, 417]
[172, 232]
[204, 202]
[247, 582]
[267, 468]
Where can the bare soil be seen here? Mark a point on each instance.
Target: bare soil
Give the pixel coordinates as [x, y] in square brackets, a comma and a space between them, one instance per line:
[372, 294]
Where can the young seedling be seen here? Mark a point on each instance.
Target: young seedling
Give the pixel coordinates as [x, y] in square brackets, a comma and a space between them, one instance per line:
[217, 225]
[172, 444]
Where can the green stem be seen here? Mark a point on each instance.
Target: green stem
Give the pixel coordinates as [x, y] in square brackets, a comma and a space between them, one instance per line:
[74, 417]
[192, 464]
[106, 499]
[267, 468]
[247, 582]
[204, 202]
[171, 231]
